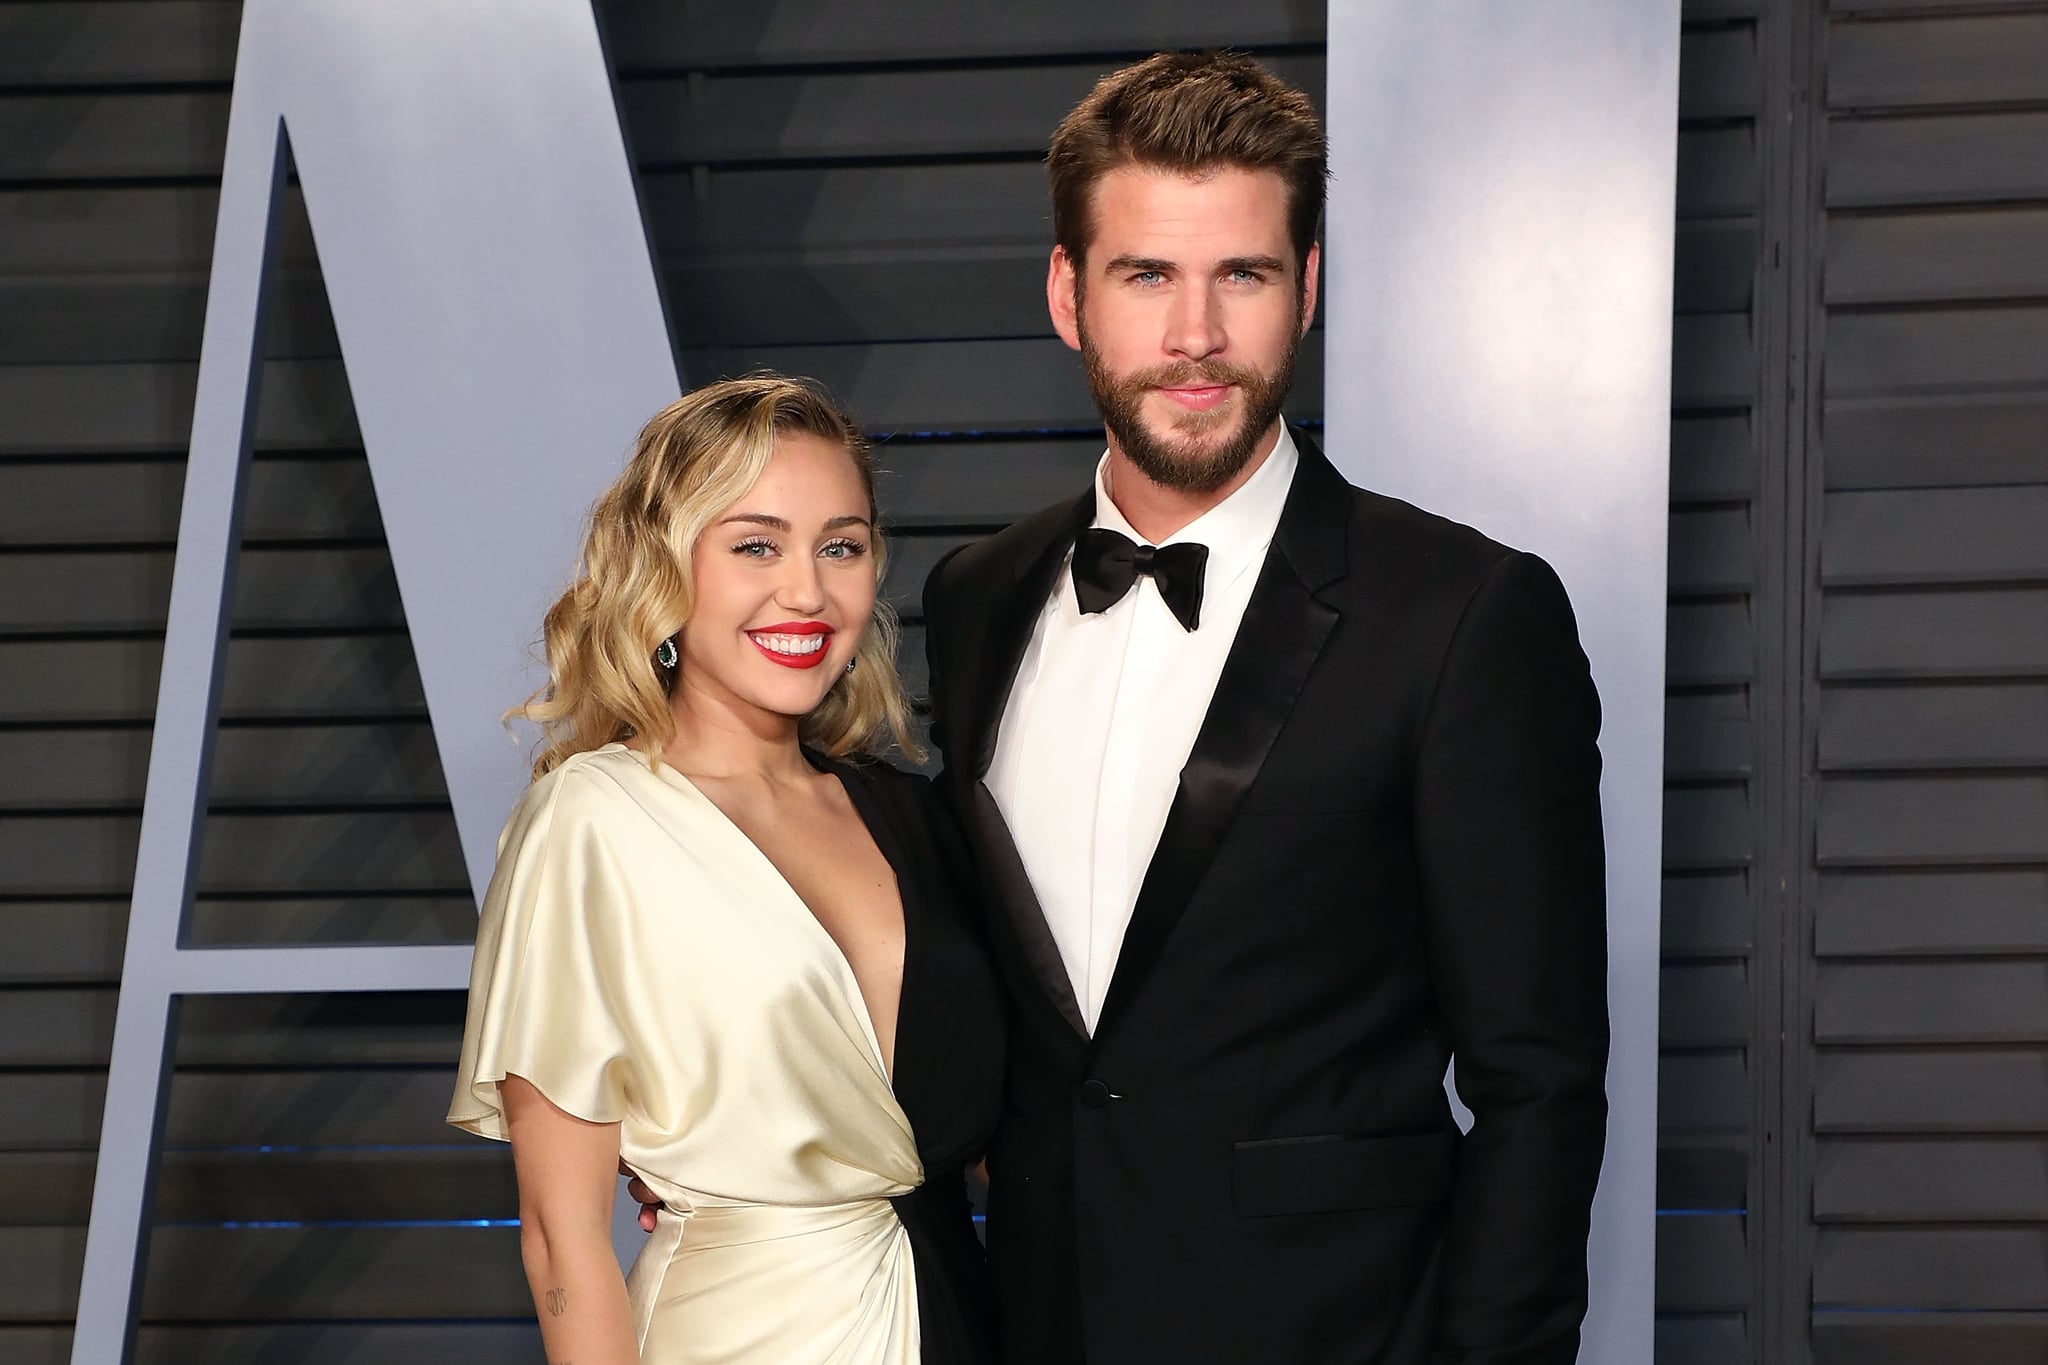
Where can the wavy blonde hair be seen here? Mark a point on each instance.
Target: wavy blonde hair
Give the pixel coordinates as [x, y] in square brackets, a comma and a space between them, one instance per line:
[693, 460]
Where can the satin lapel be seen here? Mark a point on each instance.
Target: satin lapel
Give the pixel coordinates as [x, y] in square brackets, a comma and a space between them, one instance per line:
[1024, 940]
[1011, 618]
[1282, 635]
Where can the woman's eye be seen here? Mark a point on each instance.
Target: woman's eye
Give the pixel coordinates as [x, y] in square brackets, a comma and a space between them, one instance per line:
[843, 549]
[755, 549]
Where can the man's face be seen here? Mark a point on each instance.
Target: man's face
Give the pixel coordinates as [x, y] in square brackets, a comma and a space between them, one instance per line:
[1188, 316]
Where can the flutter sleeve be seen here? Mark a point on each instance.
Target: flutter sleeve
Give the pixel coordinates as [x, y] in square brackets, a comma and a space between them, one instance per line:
[546, 998]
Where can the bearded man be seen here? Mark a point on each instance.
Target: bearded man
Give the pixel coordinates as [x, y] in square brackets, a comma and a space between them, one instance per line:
[1284, 795]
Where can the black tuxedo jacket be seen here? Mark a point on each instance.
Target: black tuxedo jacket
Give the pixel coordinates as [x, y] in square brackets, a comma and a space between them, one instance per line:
[1385, 851]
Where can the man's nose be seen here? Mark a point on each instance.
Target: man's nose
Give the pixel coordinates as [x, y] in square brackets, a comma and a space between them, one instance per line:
[1195, 324]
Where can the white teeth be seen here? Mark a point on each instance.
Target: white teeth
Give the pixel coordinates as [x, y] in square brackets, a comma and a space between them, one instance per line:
[790, 644]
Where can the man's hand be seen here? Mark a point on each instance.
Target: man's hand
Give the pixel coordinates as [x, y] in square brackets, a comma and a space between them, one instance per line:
[649, 1201]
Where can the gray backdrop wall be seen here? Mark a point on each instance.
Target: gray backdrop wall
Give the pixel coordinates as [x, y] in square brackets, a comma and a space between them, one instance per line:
[1854, 1028]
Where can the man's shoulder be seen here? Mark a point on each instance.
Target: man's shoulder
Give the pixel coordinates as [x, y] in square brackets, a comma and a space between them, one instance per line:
[999, 556]
[1386, 531]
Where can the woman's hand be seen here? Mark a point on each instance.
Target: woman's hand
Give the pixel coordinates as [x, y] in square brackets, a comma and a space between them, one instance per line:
[565, 1167]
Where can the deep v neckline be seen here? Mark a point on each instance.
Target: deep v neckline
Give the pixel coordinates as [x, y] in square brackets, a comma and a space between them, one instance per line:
[868, 820]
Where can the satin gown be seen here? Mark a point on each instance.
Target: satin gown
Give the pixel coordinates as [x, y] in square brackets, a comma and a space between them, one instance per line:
[641, 962]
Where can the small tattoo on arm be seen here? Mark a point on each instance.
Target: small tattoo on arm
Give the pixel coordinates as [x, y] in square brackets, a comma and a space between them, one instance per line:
[558, 1304]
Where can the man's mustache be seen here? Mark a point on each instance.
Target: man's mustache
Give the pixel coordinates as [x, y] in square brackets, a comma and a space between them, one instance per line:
[1191, 374]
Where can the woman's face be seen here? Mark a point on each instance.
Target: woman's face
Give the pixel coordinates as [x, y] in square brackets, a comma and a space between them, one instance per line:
[785, 584]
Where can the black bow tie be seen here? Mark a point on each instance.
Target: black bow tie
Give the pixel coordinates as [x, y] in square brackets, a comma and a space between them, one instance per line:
[1107, 564]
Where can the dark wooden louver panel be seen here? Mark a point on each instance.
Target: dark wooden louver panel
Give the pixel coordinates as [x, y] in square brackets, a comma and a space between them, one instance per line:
[1930, 740]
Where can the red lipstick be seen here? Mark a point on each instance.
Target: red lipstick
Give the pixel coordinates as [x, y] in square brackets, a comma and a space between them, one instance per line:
[793, 644]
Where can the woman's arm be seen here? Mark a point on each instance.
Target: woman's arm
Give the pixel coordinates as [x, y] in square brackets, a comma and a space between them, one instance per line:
[566, 1169]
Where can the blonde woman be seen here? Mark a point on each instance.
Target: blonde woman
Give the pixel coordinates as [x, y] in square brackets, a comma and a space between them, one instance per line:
[722, 943]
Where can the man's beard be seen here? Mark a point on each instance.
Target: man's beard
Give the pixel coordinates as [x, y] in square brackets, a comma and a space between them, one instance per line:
[1180, 459]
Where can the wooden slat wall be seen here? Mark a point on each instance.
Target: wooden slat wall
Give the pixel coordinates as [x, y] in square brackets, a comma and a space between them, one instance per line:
[853, 191]
[859, 199]
[1929, 729]
[1706, 1124]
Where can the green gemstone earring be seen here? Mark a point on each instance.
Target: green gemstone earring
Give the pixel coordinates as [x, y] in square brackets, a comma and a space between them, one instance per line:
[665, 652]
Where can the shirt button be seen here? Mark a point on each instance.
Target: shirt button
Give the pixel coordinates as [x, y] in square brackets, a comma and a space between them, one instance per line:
[1094, 1093]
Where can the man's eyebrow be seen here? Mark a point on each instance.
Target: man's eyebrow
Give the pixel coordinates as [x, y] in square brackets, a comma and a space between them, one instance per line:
[1266, 265]
[1117, 265]
[758, 519]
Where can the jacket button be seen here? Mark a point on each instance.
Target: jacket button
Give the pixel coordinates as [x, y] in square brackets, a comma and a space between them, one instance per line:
[1094, 1093]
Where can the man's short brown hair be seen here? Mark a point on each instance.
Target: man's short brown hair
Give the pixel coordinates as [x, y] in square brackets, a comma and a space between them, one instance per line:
[1188, 112]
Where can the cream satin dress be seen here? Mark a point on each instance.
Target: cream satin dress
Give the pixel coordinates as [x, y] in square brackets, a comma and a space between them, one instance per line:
[641, 962]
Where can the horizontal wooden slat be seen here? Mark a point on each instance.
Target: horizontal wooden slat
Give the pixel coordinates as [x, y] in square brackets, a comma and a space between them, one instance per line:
[77, 502]
[270, 1274]
[1936, 535]
[1717, 73]
[662, 37]
[1952, 60]
[1937, 257]
[1706, 735]
[102, 409]
[1704, 1005]
[117, 319]
[129, 229]
[993, 483]
[1932, 1002]
[1985, 633]
[129, 590]
[463, 1180]
[1706, 826]
[1873, 821]
[1708, 643]
[90, 137]
[1700, 1339]
[1987, 725]
[1915, 1338]
[1931, 1268]
[1711, 551]
[358, 852]
[1715, 267]
[1713, 361]
[292, 765]
[739, 115]
[1883, 914]
[1702, 1092]
[1702, 1264]
[370, 1343]
[1712, 459]
[81, 942]
[1937, 442]
[67, 1027]
[1931, 1180]
[1952, 350]
[1946, 159]
[87, 681]
[1706, 916]
[1702, 1173]
[1945, 1090]
[110, 42]
[1717, 172]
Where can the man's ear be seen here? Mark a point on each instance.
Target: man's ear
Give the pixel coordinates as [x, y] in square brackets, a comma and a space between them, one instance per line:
[1311, 281]
[1060, 298]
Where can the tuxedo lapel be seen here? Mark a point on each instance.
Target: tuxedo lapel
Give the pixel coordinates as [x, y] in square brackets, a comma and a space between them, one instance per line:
[1016, 598]
[1283, 632]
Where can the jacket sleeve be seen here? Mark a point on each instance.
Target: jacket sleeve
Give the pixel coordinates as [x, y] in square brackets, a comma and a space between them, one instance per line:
[1514, 876]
